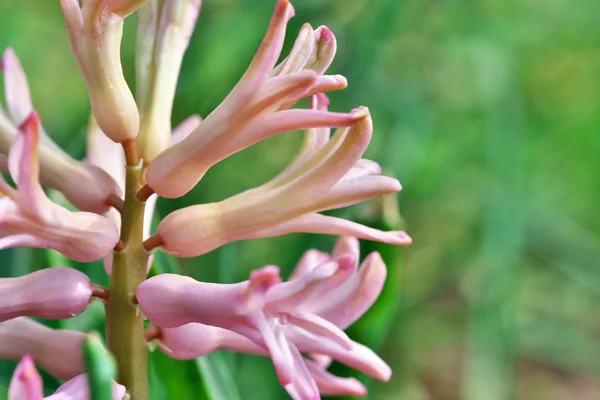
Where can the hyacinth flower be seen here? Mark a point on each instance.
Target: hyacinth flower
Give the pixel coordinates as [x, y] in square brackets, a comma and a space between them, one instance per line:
[304, 315]
[58, 352]
[26, 384]
[133, 157]
[253, 110]
[29, 218]
[85, 186]
[327, 174]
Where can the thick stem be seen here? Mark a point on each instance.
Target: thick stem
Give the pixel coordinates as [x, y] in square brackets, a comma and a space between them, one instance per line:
[125, 323]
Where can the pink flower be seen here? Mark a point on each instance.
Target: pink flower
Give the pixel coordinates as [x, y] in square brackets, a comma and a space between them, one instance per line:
[327, 174]
[29, 218]
[257, 107]
[26, 384]
[55, 293]
[85, 186]
[95, 31]
[57, 351]
[306, 314]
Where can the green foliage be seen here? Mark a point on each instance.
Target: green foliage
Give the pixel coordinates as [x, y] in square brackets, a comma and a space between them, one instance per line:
[486, 111]
[101, 368]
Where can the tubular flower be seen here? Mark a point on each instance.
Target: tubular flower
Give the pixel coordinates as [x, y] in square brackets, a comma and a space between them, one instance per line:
[284, 319]
[84, 185]
[29, 218]
[26, 384]
[95, 31]
[256, 108]
[57, 351]
[164, 31]
[327, 174]
[55, 293]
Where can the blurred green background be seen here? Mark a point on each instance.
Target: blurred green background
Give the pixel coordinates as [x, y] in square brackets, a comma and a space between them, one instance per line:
[489, 114]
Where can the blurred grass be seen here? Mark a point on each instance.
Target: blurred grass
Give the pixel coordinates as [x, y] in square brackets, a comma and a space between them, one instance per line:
[487, 111]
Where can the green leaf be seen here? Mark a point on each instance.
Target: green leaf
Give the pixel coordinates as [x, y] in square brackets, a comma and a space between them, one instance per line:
[217, 377]
[101, 368]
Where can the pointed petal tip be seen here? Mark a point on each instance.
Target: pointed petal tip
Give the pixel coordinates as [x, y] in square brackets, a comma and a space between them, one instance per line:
[31, 124]
[360, 113]
[284, 9]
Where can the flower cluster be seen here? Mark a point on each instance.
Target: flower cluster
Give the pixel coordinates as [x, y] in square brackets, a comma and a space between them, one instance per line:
[134, 156]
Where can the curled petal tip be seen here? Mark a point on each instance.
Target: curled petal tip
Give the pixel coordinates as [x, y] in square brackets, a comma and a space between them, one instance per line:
[262, 279]
[326, 34]
[347, 261]
[8, 53]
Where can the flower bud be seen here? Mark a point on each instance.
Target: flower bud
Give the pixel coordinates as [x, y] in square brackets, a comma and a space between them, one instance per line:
[95, 33]
[26, 383]
[56, 351]
[164, 30]
[54, 293]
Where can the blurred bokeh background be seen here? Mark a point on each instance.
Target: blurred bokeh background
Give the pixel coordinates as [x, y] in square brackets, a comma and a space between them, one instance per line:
[489, 114]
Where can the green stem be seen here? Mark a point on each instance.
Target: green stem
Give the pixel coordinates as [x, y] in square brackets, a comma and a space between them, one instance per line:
[125, 323]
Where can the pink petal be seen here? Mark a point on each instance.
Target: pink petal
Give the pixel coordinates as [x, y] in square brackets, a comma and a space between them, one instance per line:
[264, 60]
[56, 351]
[344, 306]
[319, 327]
[16, 89]
[55, 293]
[24, 168]
[304, 386]
[277, 347]
[185, 128]
[26, 383]
[331, 385]
[78, 389]
[359, 357]
[290, 294]
[323, 224]
[351, 191]
[326, 48]
[309, 261]
[170, 300]
[300, 53]
[346, 244]
[194, 340]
